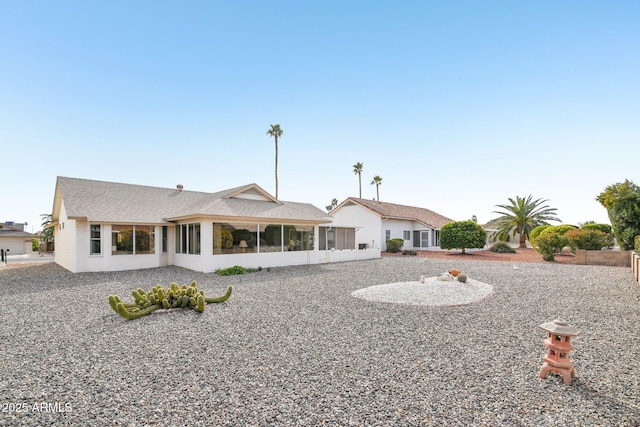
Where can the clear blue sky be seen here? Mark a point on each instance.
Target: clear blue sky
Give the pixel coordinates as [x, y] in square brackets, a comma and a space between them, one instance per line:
[457, 105]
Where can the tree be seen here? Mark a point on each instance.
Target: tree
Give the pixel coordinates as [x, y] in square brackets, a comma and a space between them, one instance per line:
[462, 234]
[377, 180]
[357, 169]
[522, 216]
[622, 201]
[47, 233]
[276, 133]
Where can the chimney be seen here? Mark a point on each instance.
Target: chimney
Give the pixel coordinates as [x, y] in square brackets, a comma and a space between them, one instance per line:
[179, 187]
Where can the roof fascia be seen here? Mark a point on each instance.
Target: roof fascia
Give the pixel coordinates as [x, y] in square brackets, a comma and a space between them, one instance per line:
[255, 187]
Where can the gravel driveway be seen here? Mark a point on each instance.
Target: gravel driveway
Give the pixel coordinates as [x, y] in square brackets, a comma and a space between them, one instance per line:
[292, 347]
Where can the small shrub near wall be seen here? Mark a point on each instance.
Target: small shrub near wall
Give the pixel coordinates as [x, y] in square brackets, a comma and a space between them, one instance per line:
[636, 244]
[394, 245]
[591, 240]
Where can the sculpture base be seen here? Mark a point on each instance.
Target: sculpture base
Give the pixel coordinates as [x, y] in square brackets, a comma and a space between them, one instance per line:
[566, 373]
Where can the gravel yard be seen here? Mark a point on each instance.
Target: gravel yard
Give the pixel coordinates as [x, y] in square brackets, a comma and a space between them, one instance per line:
[293, 347]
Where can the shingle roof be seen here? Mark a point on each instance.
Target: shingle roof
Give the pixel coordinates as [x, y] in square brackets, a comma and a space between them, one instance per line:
[103, 201]
[392, 210]
[10, 231]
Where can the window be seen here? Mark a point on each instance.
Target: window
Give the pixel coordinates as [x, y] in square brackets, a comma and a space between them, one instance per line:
[165, 239]
[337, 238]
[132, 239]
[188, 238]
[387, 235]
[121, 239]
[239, 238]
[145, 239]
[406, 235]
[235, 238]
[298, 237]
[94, 239]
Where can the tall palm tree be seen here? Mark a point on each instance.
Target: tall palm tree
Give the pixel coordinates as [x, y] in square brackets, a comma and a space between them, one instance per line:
[276, 133]
[377, 180]
[357, 169]
[522, 216]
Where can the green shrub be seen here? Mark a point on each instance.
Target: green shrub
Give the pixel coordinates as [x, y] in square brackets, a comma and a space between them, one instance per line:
[502, 248]
[409, 252]
[231, 271]
[605, 228]
[462, 234]
[560, 229]
[35, 244]
[590, 240]
[462, 278]
[549, 244]
[637, 244]
[533, 234]
[236, 269]
[394, 245]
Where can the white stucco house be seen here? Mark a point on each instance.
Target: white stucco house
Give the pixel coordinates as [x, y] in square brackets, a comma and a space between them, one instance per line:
[15, 239]
[376, 222]
[108, 226]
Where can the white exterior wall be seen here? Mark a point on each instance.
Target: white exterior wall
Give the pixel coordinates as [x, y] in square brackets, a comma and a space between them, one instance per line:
[16, 245]
[65, 238]
[207, 262]
[367, 223]
[397, 228]
[73, 252]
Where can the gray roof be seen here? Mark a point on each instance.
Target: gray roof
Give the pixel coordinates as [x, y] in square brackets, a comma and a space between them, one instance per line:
[7, 230]
[112, 202]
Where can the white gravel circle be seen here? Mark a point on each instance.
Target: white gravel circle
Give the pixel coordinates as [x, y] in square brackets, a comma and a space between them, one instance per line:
[433, 292]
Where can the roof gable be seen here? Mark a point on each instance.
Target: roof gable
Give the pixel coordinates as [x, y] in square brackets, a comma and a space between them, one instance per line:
[392, 210]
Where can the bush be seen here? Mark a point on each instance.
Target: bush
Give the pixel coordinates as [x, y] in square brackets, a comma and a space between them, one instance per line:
[394, 245]
[533, 234]
[549, 244]
[409, 252]
[561, 229]
[590, 240]
[637, 244]
[462, 278]
[462, 234]
[35, 244]
[502, 248]
[605, 228]
[236, 269]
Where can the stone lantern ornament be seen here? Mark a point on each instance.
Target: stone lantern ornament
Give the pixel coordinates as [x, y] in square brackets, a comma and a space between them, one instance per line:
[559, 343]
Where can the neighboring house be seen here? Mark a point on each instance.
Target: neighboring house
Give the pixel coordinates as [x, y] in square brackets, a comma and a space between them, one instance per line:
[377, 222]
[108, 226]
[15, 239]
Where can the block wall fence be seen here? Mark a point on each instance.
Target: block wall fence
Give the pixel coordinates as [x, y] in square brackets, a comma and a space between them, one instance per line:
[606, 258]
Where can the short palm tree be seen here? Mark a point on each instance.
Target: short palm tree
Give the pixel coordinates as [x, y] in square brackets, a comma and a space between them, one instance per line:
[377, 180]
[357, 169]
[276, 133]
[522, 216]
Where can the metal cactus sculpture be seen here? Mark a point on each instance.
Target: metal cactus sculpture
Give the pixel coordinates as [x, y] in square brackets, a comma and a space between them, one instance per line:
[159, 297]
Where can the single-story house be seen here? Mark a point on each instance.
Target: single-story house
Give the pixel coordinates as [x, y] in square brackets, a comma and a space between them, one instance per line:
[15, 239]
[108, 226]
[376, 222]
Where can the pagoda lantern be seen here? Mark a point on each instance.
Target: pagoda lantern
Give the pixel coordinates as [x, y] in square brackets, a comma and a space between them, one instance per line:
[558, 341]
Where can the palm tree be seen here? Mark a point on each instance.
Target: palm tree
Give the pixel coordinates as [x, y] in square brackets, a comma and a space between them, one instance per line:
[357, 169]
[377, 180]
[522, 216]
[276, 133]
